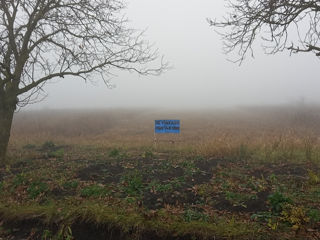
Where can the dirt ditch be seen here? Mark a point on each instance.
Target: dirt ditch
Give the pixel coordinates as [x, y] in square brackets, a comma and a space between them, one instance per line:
[36, 230]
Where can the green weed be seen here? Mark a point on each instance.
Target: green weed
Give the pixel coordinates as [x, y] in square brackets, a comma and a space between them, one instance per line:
[314, 215]
[273, 223]
[199, 158]
[19, 180]
[194, 215]
[36, 188]
[262, 216]
[56, 154]
[277, 201]
[133, 183]
[117, 153]
[65, 233]
[273, 179]
[238, 199]
[48, 145]
[94, 191]
[158, 187]
[148, 154]
[70, 185]
[29, 146]
[165, 165]
[46, 235]
[313, 178]
[189, 168]
[257, 184]
[177, 182]
[114, 153]
[308, 145]
[243, 152]
[204, 190]
[294, 215]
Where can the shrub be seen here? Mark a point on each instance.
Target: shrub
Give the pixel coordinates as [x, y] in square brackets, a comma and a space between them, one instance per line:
[277, 201]
[295, 216]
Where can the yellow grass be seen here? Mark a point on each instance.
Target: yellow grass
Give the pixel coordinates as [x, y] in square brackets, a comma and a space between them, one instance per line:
[214, 133]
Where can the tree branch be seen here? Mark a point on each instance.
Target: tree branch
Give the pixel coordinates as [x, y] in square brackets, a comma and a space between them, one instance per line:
[273, 21]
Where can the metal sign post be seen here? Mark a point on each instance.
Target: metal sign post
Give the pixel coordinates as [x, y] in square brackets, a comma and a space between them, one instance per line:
[165, 126]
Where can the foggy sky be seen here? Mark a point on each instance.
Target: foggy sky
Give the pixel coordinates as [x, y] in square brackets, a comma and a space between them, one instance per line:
[201, 76]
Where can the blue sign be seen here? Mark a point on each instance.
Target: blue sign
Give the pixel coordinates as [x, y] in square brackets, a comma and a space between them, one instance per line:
[167, 126]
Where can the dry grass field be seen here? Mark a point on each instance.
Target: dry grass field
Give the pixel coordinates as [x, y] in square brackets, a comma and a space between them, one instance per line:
[243, 173]
[212, 132]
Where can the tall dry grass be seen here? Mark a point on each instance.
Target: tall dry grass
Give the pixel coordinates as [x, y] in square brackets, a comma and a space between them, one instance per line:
[266, 133]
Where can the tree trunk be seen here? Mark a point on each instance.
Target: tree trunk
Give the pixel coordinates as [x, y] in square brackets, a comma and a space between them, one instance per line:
[6, 117]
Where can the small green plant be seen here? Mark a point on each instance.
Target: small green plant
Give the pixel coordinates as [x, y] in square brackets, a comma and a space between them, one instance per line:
[314, 215]
[243, 152]
[226, 186]
[238, 199]
[48, 145]
[65, 233]
[36, 188]
[316, 194]
[189, 168]
[114, 153]
[165, 165]
[199, 158]
[46, 235]
[19, 180]
[56, 154]
[133, 183]
[262, 216]
[277, 201]
[158, 187]
[94, 191]
[165, 187]
[273, 223]
[272, 178]
[148, 154]
[29, 146]
[257, 184]
[313, 178]
[294, 215]
[194, 215]
[188, 164]
[70, 185]
[130, 200]
[308, 144]
[178, 181]
[204, 190]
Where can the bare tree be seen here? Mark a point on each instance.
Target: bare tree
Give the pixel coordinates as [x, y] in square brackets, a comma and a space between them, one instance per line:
[281, 24]
[45, 39]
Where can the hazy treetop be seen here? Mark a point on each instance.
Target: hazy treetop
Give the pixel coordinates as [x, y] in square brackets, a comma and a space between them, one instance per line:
[202, 75]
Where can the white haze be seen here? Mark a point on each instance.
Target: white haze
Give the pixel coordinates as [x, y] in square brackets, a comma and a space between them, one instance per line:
[201, 76]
